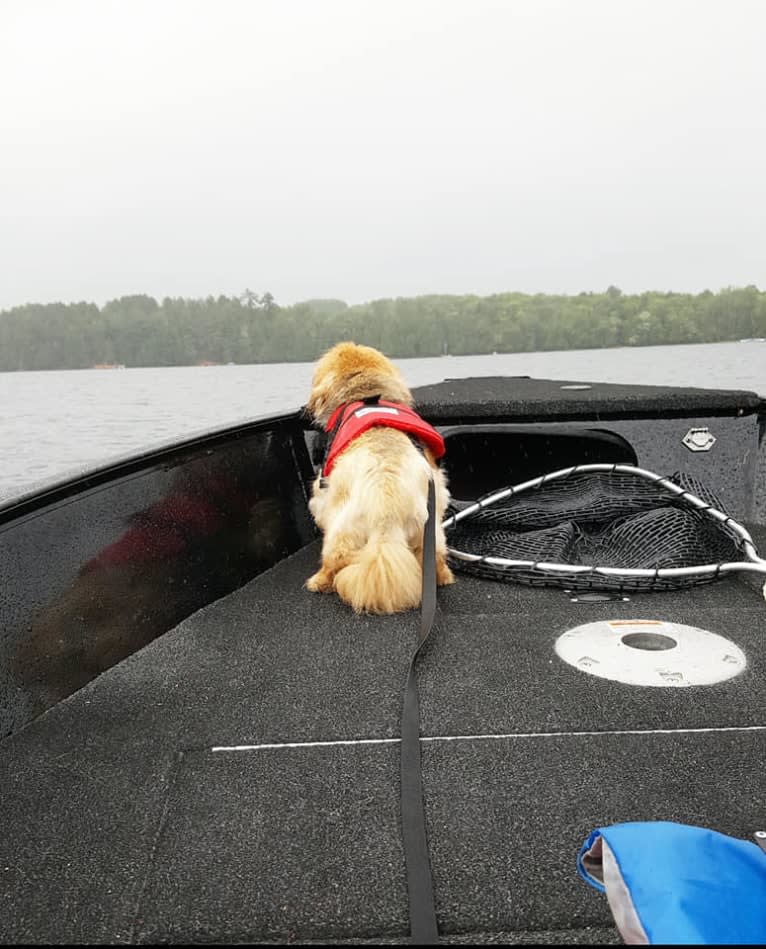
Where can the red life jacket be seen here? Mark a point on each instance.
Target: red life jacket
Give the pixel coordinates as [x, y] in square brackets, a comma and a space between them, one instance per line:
[349, 421]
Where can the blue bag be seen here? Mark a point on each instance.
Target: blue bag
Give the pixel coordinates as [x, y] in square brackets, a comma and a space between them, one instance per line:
[673, 883]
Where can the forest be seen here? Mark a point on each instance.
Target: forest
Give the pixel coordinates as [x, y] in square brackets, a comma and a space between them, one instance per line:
[139, 330]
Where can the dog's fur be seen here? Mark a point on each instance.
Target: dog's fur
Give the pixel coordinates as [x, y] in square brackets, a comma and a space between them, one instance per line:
[373, 507]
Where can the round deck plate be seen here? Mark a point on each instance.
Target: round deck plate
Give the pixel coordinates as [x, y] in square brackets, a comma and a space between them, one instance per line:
[651, 652]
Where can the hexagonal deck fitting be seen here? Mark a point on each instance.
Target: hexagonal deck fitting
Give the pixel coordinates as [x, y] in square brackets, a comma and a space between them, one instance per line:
[699, 439]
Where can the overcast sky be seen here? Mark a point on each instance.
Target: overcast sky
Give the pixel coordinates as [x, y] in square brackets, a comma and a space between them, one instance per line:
[359, 149]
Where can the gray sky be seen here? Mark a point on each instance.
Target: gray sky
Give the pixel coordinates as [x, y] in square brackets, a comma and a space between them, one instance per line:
[361, 149]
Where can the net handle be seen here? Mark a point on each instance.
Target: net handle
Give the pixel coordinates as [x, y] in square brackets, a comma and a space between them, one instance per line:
[753, 563]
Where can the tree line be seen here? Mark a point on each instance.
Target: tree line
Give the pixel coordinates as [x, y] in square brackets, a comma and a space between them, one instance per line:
[251, 328]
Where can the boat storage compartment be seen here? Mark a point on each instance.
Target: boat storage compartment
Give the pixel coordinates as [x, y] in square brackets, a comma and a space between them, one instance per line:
[484, 458]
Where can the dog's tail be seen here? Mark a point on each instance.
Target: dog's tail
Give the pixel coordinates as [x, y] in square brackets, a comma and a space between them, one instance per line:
[385, 578]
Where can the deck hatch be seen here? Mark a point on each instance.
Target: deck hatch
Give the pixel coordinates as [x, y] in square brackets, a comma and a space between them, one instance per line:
[651, 652]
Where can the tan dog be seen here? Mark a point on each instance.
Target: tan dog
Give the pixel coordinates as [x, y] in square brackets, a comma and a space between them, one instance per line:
[372, 506]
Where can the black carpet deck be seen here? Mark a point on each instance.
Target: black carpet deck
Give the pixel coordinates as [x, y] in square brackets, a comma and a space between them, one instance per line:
[131, 811]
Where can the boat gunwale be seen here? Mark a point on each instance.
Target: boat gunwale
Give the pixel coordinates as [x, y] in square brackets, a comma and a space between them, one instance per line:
[78, 482]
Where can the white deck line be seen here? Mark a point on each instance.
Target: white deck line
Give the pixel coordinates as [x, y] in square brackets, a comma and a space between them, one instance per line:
[506, 737]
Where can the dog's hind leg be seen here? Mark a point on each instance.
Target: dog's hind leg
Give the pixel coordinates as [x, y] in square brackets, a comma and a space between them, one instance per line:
[444, 575]
[323, 581]
[338, 551]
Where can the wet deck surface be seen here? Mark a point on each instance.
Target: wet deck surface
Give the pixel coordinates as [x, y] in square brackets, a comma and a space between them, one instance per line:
[237, 780]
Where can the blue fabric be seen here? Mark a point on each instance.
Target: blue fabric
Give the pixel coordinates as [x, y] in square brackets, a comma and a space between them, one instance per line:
[688, 884]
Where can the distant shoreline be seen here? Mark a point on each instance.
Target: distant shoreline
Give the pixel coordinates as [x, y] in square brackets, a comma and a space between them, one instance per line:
[251, 329]
[398, 359]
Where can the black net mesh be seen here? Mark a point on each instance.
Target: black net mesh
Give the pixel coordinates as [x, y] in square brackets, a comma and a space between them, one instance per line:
[605, 519]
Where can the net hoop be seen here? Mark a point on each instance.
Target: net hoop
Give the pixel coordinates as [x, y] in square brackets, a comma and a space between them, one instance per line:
[752, 562]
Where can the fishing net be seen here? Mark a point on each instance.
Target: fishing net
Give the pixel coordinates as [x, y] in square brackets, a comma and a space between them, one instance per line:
[600, 527]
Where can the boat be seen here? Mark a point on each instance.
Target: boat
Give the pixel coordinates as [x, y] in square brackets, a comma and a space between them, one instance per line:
[197, 750]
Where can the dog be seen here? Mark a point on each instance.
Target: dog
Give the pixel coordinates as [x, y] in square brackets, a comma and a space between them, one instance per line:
[371, 504]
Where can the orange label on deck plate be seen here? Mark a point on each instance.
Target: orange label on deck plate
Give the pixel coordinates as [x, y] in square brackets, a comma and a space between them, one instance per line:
[636, 622]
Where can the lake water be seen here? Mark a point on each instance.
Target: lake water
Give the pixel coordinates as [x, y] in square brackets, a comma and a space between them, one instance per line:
[55, 422]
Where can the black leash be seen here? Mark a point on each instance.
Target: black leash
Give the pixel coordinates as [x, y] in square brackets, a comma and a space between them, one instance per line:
[424, 929]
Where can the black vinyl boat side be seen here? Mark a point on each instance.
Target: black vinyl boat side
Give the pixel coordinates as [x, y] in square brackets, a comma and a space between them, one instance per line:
[196, 749]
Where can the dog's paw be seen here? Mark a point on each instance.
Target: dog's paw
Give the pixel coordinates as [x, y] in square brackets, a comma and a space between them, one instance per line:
[321, 582]
[444, 575]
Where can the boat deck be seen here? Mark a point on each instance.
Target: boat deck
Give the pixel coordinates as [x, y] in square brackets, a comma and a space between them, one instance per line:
[237, 780]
